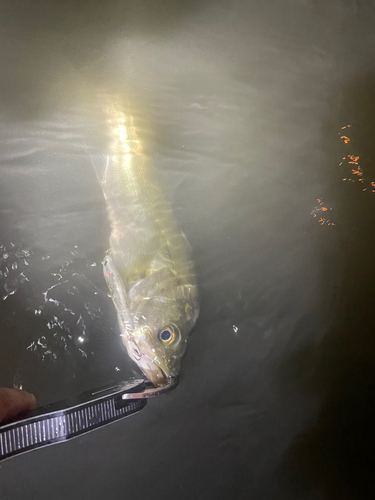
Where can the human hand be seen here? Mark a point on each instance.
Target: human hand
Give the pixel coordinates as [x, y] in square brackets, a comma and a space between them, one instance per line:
[14, 402]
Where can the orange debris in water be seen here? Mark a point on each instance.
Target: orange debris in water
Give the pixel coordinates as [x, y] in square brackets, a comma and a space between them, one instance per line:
[345, 139]
[315, 213]
[354, 159]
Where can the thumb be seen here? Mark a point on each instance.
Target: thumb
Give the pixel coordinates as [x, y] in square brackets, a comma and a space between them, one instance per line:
[14, 402]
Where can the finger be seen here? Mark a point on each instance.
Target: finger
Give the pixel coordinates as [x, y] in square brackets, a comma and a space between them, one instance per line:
[15, 401]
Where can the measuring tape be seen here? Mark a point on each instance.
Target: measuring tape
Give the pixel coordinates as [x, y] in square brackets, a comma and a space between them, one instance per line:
[67, 419]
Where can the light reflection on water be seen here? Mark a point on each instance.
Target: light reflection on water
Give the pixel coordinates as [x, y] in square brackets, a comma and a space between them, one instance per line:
[15, 263]
[62, 308]
[233, 101]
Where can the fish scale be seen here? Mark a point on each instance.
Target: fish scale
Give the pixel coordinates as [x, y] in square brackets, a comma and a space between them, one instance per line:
[148, 268]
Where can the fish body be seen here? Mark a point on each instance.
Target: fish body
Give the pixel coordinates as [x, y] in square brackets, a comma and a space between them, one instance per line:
[148, 268]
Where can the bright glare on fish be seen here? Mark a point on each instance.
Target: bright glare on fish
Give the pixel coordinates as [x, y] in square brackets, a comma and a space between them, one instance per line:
[148, 268]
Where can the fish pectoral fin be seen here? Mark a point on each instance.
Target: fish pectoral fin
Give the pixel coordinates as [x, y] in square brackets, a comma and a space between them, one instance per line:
[152, 285]
[134, 252]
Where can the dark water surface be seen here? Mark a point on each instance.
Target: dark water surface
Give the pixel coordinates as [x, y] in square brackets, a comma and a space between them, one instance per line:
[260, 117]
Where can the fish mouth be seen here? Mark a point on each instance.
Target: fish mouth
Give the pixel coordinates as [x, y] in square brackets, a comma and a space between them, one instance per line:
[143, 352]
[153, 372]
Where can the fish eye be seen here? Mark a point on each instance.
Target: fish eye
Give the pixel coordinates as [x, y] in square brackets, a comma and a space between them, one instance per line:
[167, 335]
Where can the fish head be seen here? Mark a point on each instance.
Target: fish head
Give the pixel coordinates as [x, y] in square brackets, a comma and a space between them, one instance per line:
[159, 338]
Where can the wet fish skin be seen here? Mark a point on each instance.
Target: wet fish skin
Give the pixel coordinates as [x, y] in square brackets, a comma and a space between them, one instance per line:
[148, 268]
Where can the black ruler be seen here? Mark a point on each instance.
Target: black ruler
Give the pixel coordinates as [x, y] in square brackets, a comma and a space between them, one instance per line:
[69, 418]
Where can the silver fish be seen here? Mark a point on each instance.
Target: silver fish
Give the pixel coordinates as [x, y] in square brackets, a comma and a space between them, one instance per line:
[148, 268]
